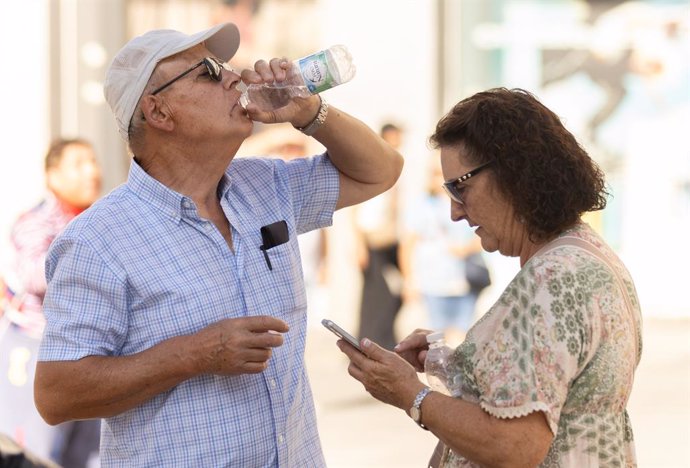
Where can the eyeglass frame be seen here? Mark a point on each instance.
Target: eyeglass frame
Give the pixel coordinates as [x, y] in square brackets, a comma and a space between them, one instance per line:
[214, 67]
[451, 188]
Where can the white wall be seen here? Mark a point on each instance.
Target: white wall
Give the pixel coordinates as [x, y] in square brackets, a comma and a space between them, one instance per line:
[24, 118]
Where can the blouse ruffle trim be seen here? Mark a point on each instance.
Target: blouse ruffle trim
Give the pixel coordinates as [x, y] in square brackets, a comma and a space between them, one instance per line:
[520, 411]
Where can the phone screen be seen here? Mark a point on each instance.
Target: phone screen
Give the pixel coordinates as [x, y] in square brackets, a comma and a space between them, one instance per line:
[332, 326]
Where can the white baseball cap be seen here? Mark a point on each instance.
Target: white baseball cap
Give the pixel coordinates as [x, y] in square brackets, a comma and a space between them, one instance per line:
[133, 65]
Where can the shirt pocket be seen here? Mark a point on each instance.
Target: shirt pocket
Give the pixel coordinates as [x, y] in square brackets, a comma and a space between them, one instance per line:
[280, 289]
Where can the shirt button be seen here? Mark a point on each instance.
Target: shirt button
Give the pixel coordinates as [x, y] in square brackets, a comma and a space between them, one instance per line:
[186, 203]
[273, 383]
[207, 225]
[281, 438]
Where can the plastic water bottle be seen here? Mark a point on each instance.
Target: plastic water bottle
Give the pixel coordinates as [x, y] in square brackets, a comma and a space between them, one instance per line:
[436, 366]
[308, 75]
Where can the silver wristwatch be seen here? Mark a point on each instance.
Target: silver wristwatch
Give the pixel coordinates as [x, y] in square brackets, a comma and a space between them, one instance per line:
[318, 121]
[416, 410]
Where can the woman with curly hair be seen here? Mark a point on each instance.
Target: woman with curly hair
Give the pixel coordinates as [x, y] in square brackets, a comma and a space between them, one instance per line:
[544, 377]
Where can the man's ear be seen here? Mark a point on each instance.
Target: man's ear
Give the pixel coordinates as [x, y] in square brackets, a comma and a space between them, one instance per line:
[157, 113]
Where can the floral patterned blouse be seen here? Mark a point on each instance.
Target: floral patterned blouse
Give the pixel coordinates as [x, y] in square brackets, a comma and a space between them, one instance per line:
[563, 339]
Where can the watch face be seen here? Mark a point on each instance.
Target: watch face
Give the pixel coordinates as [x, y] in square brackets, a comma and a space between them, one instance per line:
[415, 414]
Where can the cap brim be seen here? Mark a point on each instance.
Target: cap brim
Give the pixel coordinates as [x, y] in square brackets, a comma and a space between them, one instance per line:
[225, 42]
[222, 40]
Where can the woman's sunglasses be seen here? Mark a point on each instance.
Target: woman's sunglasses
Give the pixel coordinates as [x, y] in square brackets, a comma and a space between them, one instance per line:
[455, 189]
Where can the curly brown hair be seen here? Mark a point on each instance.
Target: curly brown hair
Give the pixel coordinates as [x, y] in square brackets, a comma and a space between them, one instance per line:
[538, 164]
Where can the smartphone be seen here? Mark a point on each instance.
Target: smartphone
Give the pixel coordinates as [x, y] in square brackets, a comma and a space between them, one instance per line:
[332, 326]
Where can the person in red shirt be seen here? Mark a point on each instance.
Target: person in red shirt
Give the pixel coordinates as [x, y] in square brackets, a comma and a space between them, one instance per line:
[73, 180]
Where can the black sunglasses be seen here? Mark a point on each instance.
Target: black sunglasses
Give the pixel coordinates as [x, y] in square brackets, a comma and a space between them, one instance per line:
[215, 71]
[453, 187]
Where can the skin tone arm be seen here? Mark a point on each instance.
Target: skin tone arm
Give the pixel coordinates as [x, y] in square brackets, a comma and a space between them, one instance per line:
[463, 426]
[107, 386]
[368, 165]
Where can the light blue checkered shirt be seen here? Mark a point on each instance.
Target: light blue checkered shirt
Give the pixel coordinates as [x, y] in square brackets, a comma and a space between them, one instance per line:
[141, 266]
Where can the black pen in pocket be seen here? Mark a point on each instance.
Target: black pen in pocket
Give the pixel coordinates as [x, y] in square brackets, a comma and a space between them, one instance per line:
[273, 235]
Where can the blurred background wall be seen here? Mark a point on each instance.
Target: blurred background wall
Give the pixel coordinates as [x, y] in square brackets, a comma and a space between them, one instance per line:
[617, 72]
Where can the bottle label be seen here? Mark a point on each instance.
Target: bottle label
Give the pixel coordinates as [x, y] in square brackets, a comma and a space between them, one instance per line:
[316, 74]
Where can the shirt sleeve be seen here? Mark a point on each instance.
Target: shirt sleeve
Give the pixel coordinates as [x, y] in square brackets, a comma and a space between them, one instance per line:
[536, 346]
[85, 304]
[314, 184]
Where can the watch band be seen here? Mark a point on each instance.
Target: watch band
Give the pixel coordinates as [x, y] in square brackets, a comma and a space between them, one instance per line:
[318, 121]
[416, 410]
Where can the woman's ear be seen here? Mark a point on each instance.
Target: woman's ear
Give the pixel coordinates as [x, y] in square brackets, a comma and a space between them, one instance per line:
[157, 113]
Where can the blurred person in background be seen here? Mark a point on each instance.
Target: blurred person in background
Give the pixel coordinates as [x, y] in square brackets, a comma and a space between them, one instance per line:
[73, 180]
[176, 308]
[376, 226]
[543, 379]
[433, 250]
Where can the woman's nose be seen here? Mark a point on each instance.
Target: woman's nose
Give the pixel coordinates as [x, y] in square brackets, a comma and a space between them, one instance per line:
[457, 211]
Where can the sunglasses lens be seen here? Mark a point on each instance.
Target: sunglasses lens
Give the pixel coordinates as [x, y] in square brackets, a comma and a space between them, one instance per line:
[452, 191]
[214, 69]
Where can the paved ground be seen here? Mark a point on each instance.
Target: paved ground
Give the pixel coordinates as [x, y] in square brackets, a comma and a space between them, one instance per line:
[359, 432]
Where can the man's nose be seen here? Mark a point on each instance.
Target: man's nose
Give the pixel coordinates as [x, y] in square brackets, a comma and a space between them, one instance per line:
[230, 78]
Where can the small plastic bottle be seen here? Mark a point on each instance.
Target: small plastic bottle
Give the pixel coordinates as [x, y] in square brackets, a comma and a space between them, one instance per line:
[308, 75]
[436, 366]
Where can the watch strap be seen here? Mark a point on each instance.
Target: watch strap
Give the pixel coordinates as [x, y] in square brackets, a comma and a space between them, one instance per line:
[417, 406]
[318, 121]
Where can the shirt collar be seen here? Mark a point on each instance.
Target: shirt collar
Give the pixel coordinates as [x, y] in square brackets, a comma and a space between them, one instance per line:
[163, 198]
